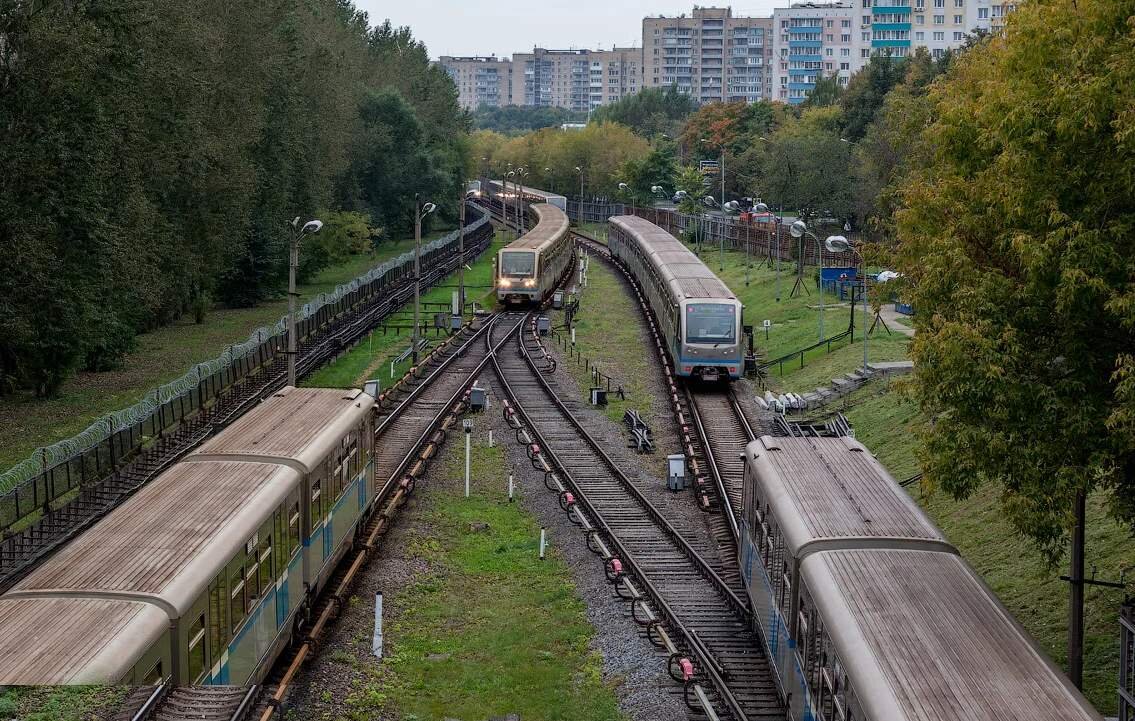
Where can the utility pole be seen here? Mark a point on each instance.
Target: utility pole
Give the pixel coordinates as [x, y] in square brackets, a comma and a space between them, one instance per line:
[1076, 597]
[417, 272]
[310, 227]
[461, 249]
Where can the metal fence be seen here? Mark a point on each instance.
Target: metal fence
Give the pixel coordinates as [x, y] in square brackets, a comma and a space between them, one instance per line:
[55, 470]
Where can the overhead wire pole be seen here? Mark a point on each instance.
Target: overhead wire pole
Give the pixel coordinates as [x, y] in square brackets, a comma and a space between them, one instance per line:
[420, 211]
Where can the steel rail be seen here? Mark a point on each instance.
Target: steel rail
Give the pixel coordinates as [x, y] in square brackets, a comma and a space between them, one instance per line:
[392, 495]
[707, 661]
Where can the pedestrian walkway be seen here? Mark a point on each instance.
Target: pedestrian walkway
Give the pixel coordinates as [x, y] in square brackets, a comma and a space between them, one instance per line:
[895, 321]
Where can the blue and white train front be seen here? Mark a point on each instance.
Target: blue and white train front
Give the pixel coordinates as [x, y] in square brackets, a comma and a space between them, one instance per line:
[517, 280]
[710, 347]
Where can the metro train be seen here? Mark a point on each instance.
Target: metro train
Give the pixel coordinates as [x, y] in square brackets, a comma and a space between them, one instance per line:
[531, 196]
[701, 317]
[866, 610]
[530, 268]
[202, 576]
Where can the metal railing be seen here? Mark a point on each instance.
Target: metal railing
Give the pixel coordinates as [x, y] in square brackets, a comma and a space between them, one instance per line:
[54, 471]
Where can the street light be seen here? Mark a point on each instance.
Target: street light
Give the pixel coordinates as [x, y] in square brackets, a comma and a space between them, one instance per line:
[722, 171]
[623, 187]
[658, 192]
[309, 228]
[840, 244]
[709, 202]
[764, 209]
[551, 182]
[579, 170]
[799, 229]
[420, 211]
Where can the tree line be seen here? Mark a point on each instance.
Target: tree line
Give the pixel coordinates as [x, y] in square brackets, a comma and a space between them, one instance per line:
[155, 150]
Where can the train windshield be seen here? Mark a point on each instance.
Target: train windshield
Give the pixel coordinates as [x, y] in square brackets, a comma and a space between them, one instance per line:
[515, 264]
[711, 323]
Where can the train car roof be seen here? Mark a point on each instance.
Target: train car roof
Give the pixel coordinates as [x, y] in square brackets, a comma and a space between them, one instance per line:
[551, 224]
[831, 492]
[295, 426]
[929, 641]
[53, 641]
[168, 541]
[679, 267]
[534, 192]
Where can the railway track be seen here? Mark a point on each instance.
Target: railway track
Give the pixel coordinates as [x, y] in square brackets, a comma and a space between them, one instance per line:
[23, 550]
[725, 431]
[705, 613]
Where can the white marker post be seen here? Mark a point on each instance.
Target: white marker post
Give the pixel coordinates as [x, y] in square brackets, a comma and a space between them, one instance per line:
[573, 336]
[468, 425]
[490, 438]
[543, 543]
[376, 646]
[510, 488]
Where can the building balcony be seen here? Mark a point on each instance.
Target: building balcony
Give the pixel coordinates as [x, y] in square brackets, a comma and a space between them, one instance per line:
[817, 58]
[890, 26]
[801, 86]
[891, 10]
[891, 43]
[804, 44]
[808, 29]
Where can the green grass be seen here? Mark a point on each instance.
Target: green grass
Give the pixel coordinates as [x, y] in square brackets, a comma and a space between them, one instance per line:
[607, 334]
[1030, 589]
[371, 357]
[61, 703]
[490, 630]
[161, 356]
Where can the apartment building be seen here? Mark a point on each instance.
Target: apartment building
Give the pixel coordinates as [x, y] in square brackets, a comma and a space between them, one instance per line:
[815, 40]
[710, 54]
[480, 80]
[614, 73]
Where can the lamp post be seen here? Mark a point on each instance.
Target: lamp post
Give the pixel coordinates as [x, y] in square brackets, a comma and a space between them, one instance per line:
[420, 211]
[461, 250]
[309, 228]
[799, 229]
[840, 244]
[709, 202]
[623, 187]
[551, 182]
[579, 170]
[722, 167]
[521, 172]
[657, 191]
[732, 207]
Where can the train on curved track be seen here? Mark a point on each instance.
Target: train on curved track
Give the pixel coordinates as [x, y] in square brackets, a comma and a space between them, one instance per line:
[700, 316]
[204, 574]
[530, 268]
[866, 610]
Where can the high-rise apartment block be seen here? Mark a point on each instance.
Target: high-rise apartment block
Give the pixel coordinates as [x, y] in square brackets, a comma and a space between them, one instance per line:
[480, 80]
[710, 54]
[713, 55]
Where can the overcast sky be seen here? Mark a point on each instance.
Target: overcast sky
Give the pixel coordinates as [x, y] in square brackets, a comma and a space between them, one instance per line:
[481, 27]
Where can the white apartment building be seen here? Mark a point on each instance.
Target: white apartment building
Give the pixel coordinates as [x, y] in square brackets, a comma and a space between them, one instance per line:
[814, 40]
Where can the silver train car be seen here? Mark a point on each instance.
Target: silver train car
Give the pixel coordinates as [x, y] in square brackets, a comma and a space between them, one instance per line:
[202, 575]
[495, 189]
[701, 317]
[530, 268]
[867, 612]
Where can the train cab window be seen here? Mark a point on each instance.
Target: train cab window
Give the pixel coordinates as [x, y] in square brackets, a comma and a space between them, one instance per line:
[197, 649]
[154, 675]
[518, 264]
[251, 582]
[711, 323]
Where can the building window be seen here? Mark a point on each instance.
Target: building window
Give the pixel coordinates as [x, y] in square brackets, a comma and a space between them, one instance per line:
[959, 37]
[828, 52]
[845, 52]
[829, 23]
[918, 20]
[919, 36]
[939, 19]
[983, 13]
[939, 36]
[957, 19]
[866, 19]
[844, 66]
[845, 38]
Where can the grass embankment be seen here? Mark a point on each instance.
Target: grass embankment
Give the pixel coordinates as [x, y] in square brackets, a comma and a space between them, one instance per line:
[161, 356]
[371, 357]
[61, 703]
[490, 629]
[607, 333]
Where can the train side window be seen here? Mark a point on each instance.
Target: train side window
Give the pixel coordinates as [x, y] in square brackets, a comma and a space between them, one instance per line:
[197, 649]
[294, 528]
[218, 635]
[266, 572]
[236, 598]
[251, 582]
[316, 501]
[154, 675]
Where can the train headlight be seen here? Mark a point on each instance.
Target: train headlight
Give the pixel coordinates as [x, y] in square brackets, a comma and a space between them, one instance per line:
[530, 283]
[506, 283]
